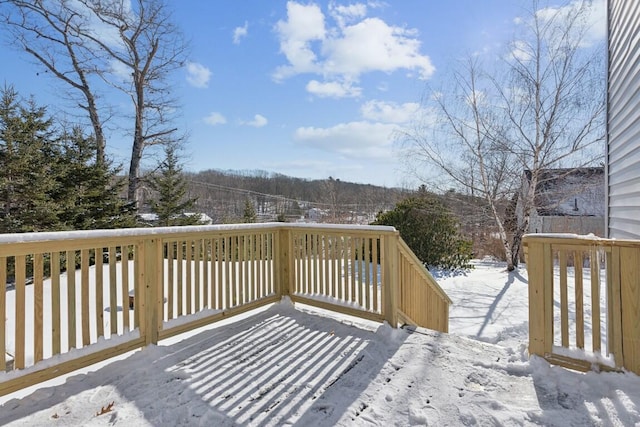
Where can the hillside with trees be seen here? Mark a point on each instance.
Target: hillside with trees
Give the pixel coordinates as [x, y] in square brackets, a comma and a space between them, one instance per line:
[259, 196]
[223, 195]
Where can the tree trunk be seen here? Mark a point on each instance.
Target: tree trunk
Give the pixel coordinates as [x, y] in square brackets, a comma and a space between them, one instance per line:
[97, 128]
[134, 165]
[516, 245]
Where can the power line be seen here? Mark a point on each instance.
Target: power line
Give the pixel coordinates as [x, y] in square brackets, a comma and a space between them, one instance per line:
[276, 197]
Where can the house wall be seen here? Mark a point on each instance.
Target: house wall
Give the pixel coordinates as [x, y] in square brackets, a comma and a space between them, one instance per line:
[623, 120]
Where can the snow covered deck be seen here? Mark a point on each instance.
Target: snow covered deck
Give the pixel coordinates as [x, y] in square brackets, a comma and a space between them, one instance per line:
[292, 366]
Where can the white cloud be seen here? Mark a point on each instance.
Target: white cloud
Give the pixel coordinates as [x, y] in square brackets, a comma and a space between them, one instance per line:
[304, 24]
[390, 112]
[215, 118]
[354, 139]
[333, 89]
[347, 14]
[371, 137]
[478, 98]
[595, 21]
[240, 32]
[343, 52]
[106, 33]
[120, 70]
[521, 51]
[383, 87]
[372, 45]
[258, 121]
[198, 75]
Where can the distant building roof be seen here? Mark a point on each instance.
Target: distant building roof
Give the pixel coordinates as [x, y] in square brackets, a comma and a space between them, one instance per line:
[148, 217]
[202, 217]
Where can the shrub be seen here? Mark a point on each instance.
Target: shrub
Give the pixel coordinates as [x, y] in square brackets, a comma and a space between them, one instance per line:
[430, 230]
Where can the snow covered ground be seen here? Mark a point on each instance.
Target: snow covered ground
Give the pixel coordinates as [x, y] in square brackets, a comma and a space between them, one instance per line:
[293, 365]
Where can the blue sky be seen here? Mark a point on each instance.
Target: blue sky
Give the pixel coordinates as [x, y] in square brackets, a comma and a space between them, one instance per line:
[308, 89]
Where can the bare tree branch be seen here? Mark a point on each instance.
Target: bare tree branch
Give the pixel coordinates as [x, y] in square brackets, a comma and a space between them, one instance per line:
[50, 33]
[543, 108]
[77, 40]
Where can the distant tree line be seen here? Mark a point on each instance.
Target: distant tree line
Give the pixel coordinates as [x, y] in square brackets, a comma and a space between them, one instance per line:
[223, 195]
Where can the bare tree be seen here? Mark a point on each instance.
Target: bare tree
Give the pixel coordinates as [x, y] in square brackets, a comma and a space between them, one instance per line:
[51, 32]
[542, 108]
[149, 47]
[131, 45]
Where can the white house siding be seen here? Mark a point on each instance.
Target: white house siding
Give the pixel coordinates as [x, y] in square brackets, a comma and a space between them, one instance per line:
[623, 121]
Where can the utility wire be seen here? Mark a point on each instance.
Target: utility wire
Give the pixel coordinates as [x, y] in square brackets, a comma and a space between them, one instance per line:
[280, 197]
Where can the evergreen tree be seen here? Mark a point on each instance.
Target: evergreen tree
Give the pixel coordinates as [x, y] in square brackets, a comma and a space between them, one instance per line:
[50, 180]
[171, 202]
[26, 178]
[88, 190]
[249, 215]
[430, 230]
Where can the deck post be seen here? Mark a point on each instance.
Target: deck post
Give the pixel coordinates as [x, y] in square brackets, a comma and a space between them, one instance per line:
[614, 306]
[150, 304]
[540, 274]
[283, 279]
[391, 278]
[630, 307]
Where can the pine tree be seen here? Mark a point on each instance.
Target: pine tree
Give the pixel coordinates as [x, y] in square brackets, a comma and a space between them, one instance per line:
[249, 215]
[88, 190]
[26, 179]
[171, 202]
[50, 180]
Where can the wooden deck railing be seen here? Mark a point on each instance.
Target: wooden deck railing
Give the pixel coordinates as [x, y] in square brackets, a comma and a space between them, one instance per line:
[76, 298]
[605, 304]
[421, 300]
[341, 268]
